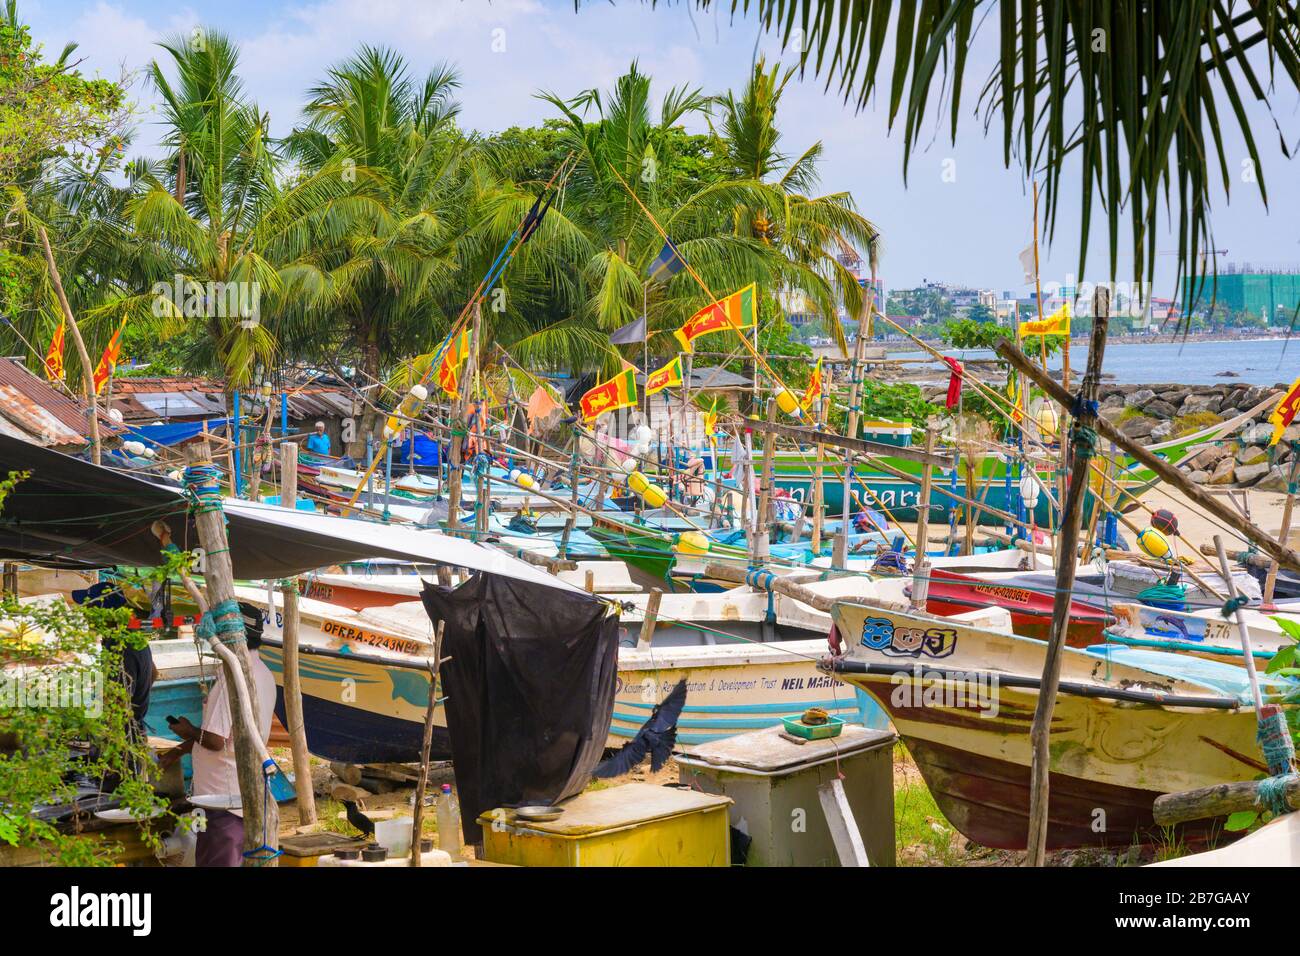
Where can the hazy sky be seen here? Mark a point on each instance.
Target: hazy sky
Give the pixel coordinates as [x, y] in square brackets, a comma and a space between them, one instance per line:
[964, 228]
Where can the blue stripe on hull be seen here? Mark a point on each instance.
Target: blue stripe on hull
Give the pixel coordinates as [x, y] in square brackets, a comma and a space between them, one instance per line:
[351, 735]
[769, 715]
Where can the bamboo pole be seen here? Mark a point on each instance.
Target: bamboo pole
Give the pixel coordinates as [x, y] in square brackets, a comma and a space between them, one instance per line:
[456, 464]
[87, 370]
[261, 816]
[1071, 518]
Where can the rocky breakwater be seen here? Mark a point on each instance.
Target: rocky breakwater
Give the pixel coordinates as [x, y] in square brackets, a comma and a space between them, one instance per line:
[1239, 457]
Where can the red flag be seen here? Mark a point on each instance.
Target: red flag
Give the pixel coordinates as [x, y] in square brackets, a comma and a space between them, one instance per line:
[108, 361]
[54, 354]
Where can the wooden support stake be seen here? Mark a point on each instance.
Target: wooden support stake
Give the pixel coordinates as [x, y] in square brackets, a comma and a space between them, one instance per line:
[417, 814]
[1071, 520]
[759, 542]
[293, 707]
[818, 492]
[839, 818]
[650, 620]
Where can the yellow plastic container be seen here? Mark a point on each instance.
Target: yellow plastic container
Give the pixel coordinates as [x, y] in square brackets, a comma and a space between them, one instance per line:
[633, 825]
[1153, 543]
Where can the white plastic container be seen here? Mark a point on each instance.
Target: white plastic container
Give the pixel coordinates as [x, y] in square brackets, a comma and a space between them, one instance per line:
[394, 835]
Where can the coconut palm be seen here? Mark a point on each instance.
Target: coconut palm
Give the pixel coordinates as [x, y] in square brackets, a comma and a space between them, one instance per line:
[813, 232]
[217, 206]
[390, 255]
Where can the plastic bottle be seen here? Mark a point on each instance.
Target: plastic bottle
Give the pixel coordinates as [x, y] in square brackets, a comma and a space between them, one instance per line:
[448, 822]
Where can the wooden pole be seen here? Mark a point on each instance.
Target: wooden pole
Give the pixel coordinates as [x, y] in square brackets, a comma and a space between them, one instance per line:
[289, 475]
[219, 575]
[456, 463]
[1286, 557]
[293, 708]
[921, 568]
[1270, 581]
[818, 492]
[422, 782]
[1072, 515]
[650, 620]
[87, 370]
[736, 575]
[758, 545]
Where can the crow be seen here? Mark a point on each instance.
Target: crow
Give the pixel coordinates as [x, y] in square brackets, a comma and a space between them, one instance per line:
[656, 737]
[359, 819]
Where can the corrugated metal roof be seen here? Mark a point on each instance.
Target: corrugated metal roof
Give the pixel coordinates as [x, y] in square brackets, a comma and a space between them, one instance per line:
[35, 411]
[184, 396]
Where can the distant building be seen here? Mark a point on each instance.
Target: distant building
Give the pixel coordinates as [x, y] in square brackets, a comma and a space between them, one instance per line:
[1272, 292]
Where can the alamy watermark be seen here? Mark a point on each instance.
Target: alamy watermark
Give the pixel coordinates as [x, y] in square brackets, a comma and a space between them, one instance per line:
[209, 300]
[79, 689]
[930, 687]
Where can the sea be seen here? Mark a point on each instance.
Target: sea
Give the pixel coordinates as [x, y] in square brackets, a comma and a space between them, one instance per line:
[1254, 361]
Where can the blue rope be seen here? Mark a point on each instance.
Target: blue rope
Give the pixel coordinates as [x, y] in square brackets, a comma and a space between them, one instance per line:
[759, 578]
[1274, 738]
[1272, 793]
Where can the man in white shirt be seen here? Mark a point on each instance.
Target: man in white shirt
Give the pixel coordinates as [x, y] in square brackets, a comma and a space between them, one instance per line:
[221, 842]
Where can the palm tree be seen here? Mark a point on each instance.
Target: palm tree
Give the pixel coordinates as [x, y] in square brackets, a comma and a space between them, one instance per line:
[391, 255]
[218, 208]
[590, 256]
[810, 231]
[1128, 88]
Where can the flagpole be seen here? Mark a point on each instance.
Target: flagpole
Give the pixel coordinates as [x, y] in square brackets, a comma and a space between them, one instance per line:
[1038, 288]
[645, 344]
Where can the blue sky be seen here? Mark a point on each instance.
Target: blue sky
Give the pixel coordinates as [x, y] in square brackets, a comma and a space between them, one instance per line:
[964, 228]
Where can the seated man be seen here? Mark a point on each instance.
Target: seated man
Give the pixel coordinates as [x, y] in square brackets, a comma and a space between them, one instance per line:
[221, 842]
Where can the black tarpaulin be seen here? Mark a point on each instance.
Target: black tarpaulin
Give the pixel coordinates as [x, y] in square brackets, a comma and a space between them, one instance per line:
[530, 690]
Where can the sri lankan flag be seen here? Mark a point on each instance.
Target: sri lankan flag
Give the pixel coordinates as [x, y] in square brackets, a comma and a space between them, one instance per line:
[1285, 412]
[667, 377]
[452, 359]
[736, 311]
[618, 392]
[814, 389]
[54, 354]
[108, 361]
[1016, 396]
[1058, 323]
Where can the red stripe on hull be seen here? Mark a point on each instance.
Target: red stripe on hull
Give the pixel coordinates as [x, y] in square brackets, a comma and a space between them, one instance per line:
[987, 800]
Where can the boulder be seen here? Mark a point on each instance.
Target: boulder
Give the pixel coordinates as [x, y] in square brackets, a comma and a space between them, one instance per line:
[1140, 398]
[1201, 403]
[1139, 427]
[1251, 454]
[1222, 473]
[1275, 480]
[1248, 474]
[1207, 457]
[1198, 477]
[1113, 401]
[1162, 432]
[1160, 409]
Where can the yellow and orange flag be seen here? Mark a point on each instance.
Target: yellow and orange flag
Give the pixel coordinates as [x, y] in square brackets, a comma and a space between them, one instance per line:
[1058, 323]
[54, 354]
[108, 361]
[667, 377]
[711, 423]
[1285, 412]
[452, 359]
[618, 392]
[814, 389]
[736, 311]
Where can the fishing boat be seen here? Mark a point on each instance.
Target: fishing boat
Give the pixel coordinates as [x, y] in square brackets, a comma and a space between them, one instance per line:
[998, 477]
[1129, 725]
[1203, 633]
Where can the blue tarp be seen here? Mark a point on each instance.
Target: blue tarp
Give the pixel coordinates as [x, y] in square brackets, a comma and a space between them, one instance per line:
[426, 451]
[166, 435]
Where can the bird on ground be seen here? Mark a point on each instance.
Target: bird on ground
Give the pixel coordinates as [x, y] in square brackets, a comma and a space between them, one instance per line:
[359, 819]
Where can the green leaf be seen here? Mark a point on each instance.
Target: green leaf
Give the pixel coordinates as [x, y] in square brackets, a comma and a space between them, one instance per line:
[1283, 660]
[1289, 627]
[1241, 820]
